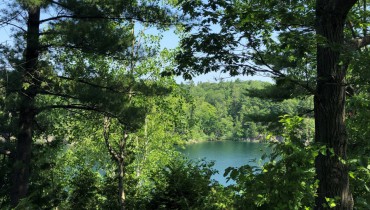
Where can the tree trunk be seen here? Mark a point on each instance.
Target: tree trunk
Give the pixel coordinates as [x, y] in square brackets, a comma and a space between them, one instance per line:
[330, 131]
[121, 174]
[22, 158]
[119, 158]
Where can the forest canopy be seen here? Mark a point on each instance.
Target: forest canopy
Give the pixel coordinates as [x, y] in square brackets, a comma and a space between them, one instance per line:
[91, 115]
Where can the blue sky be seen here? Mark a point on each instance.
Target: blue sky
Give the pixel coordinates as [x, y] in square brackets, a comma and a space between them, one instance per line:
[170, 40]
[4, 35]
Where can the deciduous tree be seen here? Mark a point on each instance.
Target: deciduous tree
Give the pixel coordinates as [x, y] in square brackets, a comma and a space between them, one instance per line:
[309, 43]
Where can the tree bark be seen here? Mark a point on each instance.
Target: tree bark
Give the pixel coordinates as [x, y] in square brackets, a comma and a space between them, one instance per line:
[330, 130]
[121, 174]
[121, 170]
[22, 157]
[119, 158]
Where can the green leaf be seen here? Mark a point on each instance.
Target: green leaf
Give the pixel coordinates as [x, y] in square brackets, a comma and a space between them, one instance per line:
[44, 84]
[331, 150]
[331, 202]
[26, 85]
[351, 174]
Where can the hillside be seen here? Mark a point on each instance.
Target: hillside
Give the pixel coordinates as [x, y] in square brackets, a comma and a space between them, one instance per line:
[228, 110]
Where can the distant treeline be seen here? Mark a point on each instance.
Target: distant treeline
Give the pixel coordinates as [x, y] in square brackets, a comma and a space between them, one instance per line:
[235, 110]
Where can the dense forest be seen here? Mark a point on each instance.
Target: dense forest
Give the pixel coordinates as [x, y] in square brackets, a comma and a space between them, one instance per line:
[234, 111]
[91, 115]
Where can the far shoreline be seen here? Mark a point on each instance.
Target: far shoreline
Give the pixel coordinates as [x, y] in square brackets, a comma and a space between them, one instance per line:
[194, 141]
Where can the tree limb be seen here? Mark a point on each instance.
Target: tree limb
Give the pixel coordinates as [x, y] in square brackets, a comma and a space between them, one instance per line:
[278, 73]
[110, 88]
[361, 42]
[5, 152]
[45, 92]
[74, 106]
[111, 151]
[101, 17]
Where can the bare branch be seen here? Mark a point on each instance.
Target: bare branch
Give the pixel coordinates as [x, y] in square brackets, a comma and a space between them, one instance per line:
[8, 20]
[12, 24]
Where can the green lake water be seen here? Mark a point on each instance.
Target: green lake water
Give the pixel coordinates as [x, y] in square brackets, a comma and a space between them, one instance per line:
[226, 154]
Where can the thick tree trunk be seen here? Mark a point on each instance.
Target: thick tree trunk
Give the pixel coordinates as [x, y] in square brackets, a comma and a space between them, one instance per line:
[22, 158]
[331, 171]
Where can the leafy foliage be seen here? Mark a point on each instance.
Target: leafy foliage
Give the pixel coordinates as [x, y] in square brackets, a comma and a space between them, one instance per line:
[286, 181]
[89, 65]
[182, 184]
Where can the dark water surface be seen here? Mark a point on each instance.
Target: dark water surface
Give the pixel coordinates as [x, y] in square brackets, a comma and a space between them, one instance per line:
[226, 154]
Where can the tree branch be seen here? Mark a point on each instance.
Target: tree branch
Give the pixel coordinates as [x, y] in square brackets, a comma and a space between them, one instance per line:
[353, 32]
[278, 73]
[111, 151]
[111, 88]
[45, 92]
[101, 17]
[74, 106]
[5, 152]
[10, 19]
[361, 42]
[152, 21]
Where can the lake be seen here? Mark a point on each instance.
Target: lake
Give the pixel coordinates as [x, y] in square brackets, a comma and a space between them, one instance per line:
[226, 154]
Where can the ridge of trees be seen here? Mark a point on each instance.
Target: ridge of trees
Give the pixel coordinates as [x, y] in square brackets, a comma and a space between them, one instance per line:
[239, 110]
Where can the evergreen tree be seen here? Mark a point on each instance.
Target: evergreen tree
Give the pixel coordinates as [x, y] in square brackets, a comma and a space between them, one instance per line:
[60, 53]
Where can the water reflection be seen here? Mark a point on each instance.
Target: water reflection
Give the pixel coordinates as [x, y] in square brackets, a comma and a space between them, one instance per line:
[226, 154]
